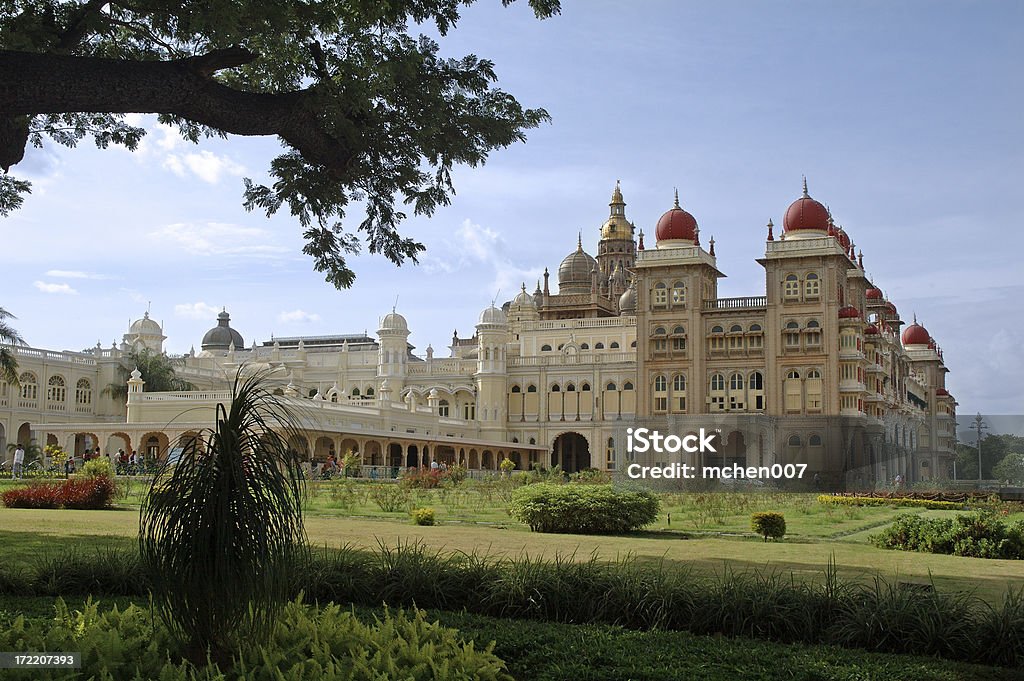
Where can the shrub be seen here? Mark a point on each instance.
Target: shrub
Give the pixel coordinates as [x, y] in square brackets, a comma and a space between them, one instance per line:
[978, 535]
[40, 495]
[423, 516]
[98, 468]
[769, 524]
[933, 504]
[87, 493]
[389, 498]
[327, 643]
[583, 509]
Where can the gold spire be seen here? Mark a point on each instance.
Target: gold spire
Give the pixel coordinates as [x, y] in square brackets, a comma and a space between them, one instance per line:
[676, 204]
[806, 195]
[579, 241]
[617, 193]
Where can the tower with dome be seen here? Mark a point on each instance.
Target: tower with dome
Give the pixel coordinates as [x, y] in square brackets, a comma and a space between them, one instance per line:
[817, 368]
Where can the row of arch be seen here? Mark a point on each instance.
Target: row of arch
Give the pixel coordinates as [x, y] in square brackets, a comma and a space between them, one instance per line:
[56, 389]
[613, 345]
[570, 387]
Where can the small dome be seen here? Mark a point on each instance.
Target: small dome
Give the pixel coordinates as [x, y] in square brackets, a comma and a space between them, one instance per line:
[915, 334]
[523, 299]
[870, 330]
[627, 301]
[941, 392]
[805, 214]
[222, 336]
[676, 225]
[873, 294]
[393, 322]
[145, 327]
[849, 312]
[574, 272]
[492, 315]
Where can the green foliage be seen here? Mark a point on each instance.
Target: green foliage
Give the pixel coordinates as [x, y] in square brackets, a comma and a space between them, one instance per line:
[1010, 468]
[9, 200]
[389, 497]
[507, 466]
[222, 527]
[368, 111]
[888, 501]
[158, 371]
[768, 524]
[307, 644]
[351, 465]
[98, 468]
[584, 509]
[979, 535]
[423, 516]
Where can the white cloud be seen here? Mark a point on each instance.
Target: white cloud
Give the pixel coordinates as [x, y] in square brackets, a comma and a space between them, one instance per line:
[206, 165]
[76, 274]
[47, 287]
[218, 238]
[198, 310]
[298, 316]
[134, 295]
[475, 245]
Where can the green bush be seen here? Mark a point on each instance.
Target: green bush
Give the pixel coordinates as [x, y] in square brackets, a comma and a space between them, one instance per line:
[583, 509]
[423, 516]
[836, 500]
[768, 524]
[98, 468]
[389, 497]
[307, 644]
[978, 535]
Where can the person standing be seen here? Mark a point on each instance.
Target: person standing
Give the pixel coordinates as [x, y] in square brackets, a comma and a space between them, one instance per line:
[19, 462]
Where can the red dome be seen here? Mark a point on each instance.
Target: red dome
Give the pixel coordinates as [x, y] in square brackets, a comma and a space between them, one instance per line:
[873, 294]
[849, 312]
[939, 392]
[915, 334]
[871, 330]
[843, 238]
[805, 213]
[676, 224]
[890, 307]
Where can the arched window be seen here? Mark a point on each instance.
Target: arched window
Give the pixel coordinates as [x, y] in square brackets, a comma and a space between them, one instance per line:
[792, 335]
[531, 388]
[570, 388]
[737, 401]
[812, 286]
[556, 388]
[516, 389]
[756, 385]
[633, 344]
[717, 329]
[659, 295]
[545, 348]
[660, 394]
[678, 293]
[29, 387]
[755, 328]
[814, 390]
[83, 392]
[679, 393]
[678, 331]
[794, 440]
[755, 337]
[610, 386]
[791, 287]
[793, 392]
[736, 382]
[584, 346]
[355, 392]
[627, 386]
[56, 390]
[735, 328]
[610, 454]
[716, 343]
[599, 346]
[443, 408]
[369, 392]
[678, 383]
[660, 384]
[813, 332]
[717, 382]
[585, 387]
[813, 324]
[717, 389]
[660, 331]
[814, 441]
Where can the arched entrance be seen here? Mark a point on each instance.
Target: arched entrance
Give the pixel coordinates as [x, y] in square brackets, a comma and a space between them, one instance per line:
[572, 452]
[412, 457]
[395, 455]
[733, 451]
[25, 435]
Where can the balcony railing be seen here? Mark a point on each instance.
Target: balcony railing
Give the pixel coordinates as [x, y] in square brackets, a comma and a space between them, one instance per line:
[747, 303]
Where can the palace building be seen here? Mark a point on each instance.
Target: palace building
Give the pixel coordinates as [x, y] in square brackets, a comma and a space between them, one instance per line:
[819, 368]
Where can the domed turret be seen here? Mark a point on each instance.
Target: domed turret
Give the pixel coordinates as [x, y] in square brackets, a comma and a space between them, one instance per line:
[393, 321]
[523, 298]
[574, 272]
[915, 334]
[627, 302]
[873, 294]
[144, 333]
[492, 315]
[617, 227]
[676, 227]
[222, 336]
[849, 312]
[145, 327]
[805, 217]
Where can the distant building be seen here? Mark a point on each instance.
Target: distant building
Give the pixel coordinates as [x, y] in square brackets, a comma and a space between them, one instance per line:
[814, 369]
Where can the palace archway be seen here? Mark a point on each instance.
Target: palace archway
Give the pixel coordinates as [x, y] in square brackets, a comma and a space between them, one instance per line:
[571, 451]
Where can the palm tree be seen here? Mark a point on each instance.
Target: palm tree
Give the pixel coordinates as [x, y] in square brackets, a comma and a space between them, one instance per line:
[8, 365]
[221, 529]
[158, 371]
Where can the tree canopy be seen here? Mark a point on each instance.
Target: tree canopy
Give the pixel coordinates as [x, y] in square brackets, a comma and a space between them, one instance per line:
[8, 334]
[366, 110]
[158, 371]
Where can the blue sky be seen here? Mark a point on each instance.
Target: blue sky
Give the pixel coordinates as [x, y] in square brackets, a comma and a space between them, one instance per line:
[905, 117]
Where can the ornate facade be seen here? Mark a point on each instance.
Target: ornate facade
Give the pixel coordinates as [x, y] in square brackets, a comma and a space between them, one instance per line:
[817, 369]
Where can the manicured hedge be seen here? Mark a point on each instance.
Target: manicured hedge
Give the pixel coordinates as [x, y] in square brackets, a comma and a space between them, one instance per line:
[584, 509]
[889, 501]
[769, 524]
[979, 535]
[78, 493]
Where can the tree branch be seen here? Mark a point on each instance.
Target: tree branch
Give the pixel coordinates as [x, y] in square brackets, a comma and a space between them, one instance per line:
[33, 83]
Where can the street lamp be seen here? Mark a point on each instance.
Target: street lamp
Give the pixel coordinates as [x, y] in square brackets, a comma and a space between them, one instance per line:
[979, 426]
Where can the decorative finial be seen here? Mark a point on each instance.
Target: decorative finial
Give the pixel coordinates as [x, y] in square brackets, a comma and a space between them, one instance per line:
[712, 242]
[771, 225]
[806, 195]
[860, 259]
[696, 236]
[579, 241]
[915, 318]
[640, 247]
[676, 204]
